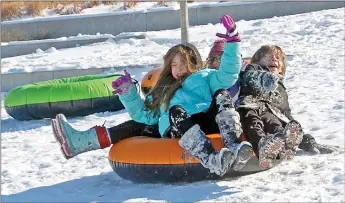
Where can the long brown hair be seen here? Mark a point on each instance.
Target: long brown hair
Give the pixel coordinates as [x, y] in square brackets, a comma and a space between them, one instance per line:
[268, 49]
[167, 85]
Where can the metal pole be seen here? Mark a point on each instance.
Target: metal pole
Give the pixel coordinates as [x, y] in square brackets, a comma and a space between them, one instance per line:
[184, 21]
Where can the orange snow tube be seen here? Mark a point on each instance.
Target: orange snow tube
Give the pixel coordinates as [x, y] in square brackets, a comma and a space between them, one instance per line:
[148, 160]
[150, 79]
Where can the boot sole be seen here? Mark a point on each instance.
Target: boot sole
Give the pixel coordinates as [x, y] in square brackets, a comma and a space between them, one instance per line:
[225, 166]
[269, 158]
[293, 135]
[58, 138]
[61, 136]
[244, 154]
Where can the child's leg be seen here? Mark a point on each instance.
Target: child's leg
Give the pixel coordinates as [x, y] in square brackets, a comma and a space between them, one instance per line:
[180, 121]
[228, 120]
[194, 141]
[267, 146]
[207, 123]
[272, 124]
[291, 134]
[132, 128]
[74, 142]
[253, 127]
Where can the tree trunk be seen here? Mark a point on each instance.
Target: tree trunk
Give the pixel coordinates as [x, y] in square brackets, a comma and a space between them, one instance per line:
[184, 21]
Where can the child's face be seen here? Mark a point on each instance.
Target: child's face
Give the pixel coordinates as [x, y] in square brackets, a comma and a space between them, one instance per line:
[178, 67]
[273, 62]
[214, 61]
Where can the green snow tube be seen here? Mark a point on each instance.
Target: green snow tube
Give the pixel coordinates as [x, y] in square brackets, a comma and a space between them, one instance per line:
[74, 96]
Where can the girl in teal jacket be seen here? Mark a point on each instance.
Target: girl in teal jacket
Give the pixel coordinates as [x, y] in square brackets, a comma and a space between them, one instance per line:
[187, 102]
[194, 93]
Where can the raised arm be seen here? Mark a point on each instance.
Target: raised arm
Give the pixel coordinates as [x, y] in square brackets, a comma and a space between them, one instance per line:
[230, 66]
[132, 101]
[256, 80]
[135, 106]
[228, 72]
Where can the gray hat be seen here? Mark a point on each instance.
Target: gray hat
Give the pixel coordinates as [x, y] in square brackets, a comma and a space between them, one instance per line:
[199, 62]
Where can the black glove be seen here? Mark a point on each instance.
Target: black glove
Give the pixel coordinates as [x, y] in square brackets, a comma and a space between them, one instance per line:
[309, 144]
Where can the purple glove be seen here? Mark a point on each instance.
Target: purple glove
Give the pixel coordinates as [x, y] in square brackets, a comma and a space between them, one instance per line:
[231, 31]
[123, 84]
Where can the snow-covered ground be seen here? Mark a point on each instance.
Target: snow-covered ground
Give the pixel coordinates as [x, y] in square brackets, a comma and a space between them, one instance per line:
[33, 170]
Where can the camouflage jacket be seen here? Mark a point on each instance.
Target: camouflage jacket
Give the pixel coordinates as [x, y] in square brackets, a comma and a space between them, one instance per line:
[263, 90]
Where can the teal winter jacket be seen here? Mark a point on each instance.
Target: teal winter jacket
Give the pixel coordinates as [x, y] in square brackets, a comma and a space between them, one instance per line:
[196, 92]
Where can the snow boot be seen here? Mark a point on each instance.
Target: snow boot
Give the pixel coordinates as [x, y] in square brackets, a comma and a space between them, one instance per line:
[271, 150]
[293, 135]
[199, 146]
[228, 120]
[74, 142]
[279, 146]
[309, 144]
[54, 125]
